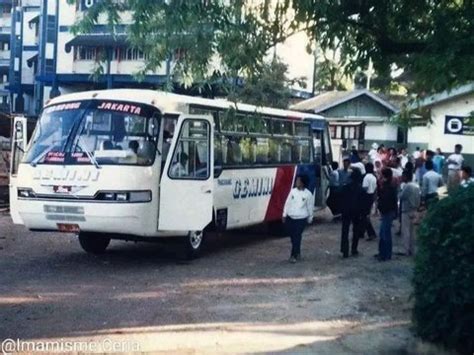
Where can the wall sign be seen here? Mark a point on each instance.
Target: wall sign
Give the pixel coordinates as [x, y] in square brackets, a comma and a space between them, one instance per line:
[458, 125]
[86, 4]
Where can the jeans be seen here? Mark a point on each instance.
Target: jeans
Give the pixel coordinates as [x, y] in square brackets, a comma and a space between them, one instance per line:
[295, 229]
[356, 233]
[385, 236]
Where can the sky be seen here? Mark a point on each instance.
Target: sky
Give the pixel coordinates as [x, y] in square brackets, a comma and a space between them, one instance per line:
[300, 63]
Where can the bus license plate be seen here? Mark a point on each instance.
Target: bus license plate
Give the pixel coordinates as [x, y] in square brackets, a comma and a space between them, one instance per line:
[68, 228]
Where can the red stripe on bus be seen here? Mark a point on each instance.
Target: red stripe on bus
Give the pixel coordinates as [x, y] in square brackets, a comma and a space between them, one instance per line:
[281, 189]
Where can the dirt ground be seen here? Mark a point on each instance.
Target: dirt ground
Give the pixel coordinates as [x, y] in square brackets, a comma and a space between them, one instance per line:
[241, 296]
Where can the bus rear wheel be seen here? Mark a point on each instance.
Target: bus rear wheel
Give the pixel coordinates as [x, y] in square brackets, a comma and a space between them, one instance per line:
[193, 244]
[93, 243]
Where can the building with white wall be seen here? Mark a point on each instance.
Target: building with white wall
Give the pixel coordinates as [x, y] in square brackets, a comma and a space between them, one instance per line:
[448, 123]
[356, 118]
[50, 60]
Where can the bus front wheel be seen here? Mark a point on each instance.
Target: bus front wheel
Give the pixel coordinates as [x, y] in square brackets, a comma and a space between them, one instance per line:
[193, 244]
[93, 243]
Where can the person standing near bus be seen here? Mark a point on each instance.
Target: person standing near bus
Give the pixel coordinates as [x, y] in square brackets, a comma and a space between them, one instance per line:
[333, 199]
[387, 205]
[466, 177]
[430, 184]
[345, 173]
[373, 153]
[438, 161]
[297, 212]
[352, 213]
[369, 184]
[409, 202]
[455, 162]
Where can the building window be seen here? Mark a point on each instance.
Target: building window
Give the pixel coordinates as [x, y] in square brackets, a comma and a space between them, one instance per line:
[86, 53]
[130, 54]
[346, 132]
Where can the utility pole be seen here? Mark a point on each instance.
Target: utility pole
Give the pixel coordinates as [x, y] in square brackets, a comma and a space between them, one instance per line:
[368, 73]
[315, 64]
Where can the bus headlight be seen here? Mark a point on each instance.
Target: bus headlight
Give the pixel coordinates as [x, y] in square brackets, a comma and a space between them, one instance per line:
[121, 196]
[125, 196]
[25, 193]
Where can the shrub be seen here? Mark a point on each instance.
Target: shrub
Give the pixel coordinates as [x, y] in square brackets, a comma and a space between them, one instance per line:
[444, 273]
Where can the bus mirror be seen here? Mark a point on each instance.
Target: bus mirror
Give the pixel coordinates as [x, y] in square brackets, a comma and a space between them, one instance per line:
[153, 126]
[18, 143]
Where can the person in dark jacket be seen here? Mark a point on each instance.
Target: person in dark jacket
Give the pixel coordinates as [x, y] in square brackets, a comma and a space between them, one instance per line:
[387, 205]
[352, 213]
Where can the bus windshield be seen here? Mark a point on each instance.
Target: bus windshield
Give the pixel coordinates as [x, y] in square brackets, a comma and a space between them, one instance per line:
[95, 132]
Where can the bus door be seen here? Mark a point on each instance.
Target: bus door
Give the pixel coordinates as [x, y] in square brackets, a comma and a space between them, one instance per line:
[18, 147]
[321, 155]
[186, 188]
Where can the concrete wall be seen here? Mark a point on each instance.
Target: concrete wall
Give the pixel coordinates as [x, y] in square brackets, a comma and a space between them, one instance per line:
[381, 131]
[433, 135]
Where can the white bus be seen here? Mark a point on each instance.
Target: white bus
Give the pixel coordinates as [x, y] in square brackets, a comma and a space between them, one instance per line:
[141, 164]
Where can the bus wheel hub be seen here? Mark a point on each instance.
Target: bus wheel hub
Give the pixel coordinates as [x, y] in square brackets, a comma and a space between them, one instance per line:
[195, 239]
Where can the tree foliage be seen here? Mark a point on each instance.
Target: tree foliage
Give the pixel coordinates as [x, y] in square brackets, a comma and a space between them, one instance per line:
[204, 39]
[444, 273]
[269, 87]
[330, 73]
[431, 40]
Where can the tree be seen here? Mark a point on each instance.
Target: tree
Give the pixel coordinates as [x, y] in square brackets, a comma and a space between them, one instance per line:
[206, 39]
[431, 40]
[269, 87]
[329, 69]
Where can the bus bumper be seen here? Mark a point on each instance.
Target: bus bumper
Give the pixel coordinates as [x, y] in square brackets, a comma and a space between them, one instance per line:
[114, 218]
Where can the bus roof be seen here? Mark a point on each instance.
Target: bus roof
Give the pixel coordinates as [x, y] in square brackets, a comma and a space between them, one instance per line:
[172, 103]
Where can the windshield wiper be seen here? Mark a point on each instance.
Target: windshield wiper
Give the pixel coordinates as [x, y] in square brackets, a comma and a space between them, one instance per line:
[39, 157]
[88, 153]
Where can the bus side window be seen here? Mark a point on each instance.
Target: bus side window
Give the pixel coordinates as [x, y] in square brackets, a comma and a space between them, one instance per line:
[234, 153]
[190, 158]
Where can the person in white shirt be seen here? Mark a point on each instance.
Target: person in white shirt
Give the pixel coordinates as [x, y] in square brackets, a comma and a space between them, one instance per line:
[466, 177]
[417, 153]
[369, 184]
[373, 153]
[397, 169]
[455, 162]
[430, 183]
[403, 157]
[359, 165]
[297, 212]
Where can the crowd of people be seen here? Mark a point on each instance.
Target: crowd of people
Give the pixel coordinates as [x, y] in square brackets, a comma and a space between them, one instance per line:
[392, 184]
